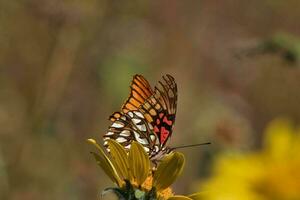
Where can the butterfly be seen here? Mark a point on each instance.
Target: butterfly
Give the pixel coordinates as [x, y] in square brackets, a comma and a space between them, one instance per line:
[147, 116]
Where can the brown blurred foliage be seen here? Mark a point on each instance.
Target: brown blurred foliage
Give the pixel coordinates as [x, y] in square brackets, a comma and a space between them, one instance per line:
[65, 66]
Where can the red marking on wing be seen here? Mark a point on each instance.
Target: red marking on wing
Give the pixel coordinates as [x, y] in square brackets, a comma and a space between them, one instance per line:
[164, 135]
[156, 130]
[169, 122]
[161, 115]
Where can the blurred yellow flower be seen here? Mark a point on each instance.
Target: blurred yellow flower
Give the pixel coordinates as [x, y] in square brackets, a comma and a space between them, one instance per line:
[132, 173]
[271, 173]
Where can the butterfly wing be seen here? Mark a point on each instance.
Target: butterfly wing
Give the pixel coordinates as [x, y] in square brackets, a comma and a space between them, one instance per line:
[131, 126]
[147, 116]
[140, 91]
[160, 108]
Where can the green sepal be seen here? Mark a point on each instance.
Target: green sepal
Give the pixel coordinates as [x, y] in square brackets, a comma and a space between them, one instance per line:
[125, 193]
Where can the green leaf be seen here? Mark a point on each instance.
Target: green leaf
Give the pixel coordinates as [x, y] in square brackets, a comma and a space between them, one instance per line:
[168, 170]
[139, 163]
[104, 162]
[120, 159]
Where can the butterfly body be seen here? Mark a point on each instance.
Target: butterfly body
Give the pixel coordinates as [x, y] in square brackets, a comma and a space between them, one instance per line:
[147, 117]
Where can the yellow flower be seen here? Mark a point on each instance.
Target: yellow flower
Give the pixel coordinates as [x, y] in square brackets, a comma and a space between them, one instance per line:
[271, 173]
[132, 173]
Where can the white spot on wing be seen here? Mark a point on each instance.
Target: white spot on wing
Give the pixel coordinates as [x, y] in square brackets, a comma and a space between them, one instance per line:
[121, 139]
[117, 124]
[152, 137]
[109, 133]
[150, 126]
[128, 146]
[136, 121]
[147, 149]
[123, 118]
[143, 141]
[139, 114]
[139, 139]
[130, 114]
[141, 127]
[125, 133]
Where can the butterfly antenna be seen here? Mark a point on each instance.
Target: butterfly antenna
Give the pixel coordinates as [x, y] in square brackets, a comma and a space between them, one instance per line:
[191, 145]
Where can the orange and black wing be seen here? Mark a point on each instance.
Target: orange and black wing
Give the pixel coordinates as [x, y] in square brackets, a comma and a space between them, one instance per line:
[160, 108]
[147, 116]
[140, 91]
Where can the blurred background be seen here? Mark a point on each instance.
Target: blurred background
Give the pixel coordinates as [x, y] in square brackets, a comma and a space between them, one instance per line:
[65, 66]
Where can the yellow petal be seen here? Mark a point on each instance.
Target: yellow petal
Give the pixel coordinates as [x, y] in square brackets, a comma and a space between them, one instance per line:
[104, 162]
[120, 158]
[197, 196]
[179, 197]
[168, 170]
[139, 163]
[278, 138]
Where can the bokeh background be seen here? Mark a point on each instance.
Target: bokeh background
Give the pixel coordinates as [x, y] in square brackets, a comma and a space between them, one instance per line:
[65, 66]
